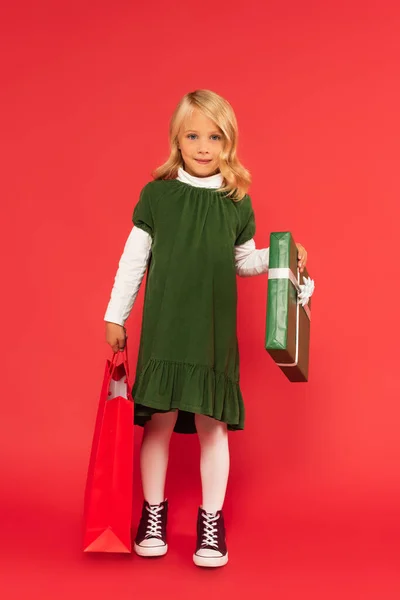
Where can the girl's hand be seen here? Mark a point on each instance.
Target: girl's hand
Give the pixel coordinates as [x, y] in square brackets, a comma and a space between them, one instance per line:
[302, 257]
[115, 336]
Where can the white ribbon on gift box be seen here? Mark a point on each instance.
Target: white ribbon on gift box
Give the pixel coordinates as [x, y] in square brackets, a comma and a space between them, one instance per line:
[286, 273]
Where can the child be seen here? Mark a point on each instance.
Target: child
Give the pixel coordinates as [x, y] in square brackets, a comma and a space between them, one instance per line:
[193, 231]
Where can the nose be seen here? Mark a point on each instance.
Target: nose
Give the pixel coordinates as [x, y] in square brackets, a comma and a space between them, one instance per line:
[203, 147]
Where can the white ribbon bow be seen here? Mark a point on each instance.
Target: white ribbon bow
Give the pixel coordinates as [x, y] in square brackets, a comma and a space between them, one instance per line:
[306, 292]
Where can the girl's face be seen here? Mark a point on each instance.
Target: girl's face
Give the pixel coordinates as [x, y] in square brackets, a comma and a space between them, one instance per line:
[200, 141]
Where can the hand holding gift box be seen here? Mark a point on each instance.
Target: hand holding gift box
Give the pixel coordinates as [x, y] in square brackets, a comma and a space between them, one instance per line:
[289, 306]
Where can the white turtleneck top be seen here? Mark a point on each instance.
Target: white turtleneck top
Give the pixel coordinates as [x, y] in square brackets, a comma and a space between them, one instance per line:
[133, 263]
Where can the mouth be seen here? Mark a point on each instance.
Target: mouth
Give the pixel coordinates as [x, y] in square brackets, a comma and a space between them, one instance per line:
[202, 162]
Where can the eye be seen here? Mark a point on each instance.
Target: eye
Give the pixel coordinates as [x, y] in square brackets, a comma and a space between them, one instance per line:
[216, 137]
[191, 136]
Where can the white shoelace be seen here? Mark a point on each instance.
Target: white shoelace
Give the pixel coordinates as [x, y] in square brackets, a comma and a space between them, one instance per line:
[154, 525]
[210, 535]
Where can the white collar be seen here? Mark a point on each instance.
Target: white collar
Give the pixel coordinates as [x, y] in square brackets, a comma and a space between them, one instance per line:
[213, 181]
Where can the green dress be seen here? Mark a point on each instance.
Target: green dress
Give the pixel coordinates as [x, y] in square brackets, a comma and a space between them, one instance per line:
[188, 356]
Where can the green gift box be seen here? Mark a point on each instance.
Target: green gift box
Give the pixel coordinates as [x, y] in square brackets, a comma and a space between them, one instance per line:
[288, 322]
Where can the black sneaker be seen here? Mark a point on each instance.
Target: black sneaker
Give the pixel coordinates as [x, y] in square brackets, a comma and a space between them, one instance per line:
[151, 537]
[211, 548]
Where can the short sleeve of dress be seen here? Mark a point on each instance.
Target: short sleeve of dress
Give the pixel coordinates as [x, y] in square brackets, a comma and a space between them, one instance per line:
[142, 214]
[247, 224]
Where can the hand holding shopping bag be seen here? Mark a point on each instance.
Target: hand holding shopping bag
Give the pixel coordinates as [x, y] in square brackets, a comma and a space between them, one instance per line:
[108, 494]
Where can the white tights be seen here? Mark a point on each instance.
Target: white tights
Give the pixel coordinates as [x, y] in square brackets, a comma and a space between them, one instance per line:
[214, 461]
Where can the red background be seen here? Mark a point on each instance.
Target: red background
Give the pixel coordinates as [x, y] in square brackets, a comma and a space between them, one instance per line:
[88, 88]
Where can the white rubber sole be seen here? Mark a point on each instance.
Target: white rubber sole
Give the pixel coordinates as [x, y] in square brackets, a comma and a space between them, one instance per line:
[210, 561]
[149, 551]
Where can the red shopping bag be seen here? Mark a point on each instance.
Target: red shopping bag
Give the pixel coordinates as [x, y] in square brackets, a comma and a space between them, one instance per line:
[108, 494]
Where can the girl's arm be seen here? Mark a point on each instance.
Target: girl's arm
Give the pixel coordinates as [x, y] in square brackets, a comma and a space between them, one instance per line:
[132, 267]
[250, 261]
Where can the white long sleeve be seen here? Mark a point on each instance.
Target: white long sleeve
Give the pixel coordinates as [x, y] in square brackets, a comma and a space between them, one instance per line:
[249, 261]
[132, 267]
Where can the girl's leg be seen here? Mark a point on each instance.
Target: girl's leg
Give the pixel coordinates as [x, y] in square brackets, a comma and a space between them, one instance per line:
[151, 537]
[214, 462]
[154, 455]
[211, 550]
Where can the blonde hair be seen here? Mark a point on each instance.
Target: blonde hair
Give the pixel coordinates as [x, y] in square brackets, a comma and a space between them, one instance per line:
[237, 179]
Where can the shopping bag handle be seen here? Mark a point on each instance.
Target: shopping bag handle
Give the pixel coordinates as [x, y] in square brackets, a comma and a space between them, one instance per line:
[114, 360]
